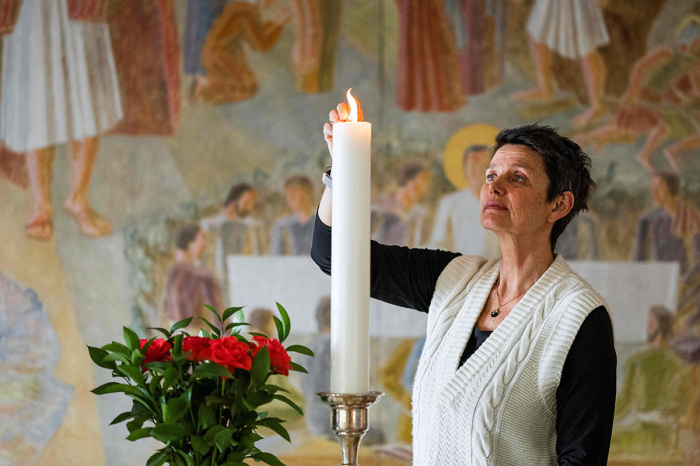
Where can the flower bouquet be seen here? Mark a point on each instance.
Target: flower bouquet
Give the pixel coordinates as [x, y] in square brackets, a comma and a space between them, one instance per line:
[201, 395]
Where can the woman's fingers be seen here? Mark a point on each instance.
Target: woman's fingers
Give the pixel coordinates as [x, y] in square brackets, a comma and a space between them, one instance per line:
[328, 136]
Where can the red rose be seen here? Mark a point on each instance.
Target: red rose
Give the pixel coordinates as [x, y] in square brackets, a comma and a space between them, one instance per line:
[279, 359]
[197, 346]
[228, 352]
[159, 350]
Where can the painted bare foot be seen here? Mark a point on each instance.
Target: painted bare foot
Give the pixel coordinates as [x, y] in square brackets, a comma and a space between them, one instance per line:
[199, 85]
[537, 94]
[40, 226]
[589, 116]
[90, 223]
[672, 160]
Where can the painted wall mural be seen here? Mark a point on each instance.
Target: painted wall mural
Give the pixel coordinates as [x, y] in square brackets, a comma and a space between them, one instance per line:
[156, 155]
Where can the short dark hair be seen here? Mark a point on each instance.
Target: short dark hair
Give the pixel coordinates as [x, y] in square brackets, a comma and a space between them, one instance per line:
[408, 171]
[185, 235]
[299, 180]
[567, 166]
[471, 149]
[672, 181]
[237, 191]
[664, 320]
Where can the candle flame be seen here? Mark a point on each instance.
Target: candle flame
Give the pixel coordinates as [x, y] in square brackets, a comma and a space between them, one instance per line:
[353, 106]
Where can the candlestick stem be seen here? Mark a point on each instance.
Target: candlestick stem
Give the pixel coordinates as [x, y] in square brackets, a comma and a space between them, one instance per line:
[350, 420]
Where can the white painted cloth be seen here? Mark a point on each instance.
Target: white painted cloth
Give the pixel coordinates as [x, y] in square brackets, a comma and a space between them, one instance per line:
[571, 28]
[59, 81]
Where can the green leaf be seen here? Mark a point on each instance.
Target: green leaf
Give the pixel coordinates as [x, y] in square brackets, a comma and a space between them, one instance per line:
[157, 367]
[257, 334]
[137, 357]
[199, 445]
[189, 461]
[167, 432]
[136, 424]
[97, 355]
[109, 387]
[157, 459]
[229, 312]
[211, 433]
[122, 417]
[178, 461]
[223, 440]
[214, 328]
[134, 373]
[205, 333]
[180, 324]
[161, 330]
[300, 349]
[235, 324]
[280, 328]
[274, 423]
[285, 319]
[170, 377]
[298, 368]
[115, 347]
[261, 367]
[210, 369]
[267, 458]
[286, 400]
[214, 311]
[206, 416]
[116, 357]
[131, 339]
[139, 434]
[176, 408]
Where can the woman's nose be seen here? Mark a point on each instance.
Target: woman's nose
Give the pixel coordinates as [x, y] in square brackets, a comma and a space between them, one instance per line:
[496, 186]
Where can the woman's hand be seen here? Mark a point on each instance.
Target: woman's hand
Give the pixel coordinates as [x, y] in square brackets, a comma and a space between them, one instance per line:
[339, 114]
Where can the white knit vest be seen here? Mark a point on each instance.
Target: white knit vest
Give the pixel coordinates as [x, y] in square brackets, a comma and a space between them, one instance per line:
[499, 408]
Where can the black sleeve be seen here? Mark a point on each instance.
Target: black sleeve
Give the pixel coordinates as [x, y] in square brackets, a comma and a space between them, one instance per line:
[586, 394]
[398, 275]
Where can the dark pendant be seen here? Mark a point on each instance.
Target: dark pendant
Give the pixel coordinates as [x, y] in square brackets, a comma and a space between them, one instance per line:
[494, 313]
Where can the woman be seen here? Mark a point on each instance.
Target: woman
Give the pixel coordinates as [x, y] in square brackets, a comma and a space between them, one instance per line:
[519, 363]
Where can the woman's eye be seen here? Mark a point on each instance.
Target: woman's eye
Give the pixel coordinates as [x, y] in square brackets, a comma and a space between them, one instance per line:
[518, 178]
[490, 177]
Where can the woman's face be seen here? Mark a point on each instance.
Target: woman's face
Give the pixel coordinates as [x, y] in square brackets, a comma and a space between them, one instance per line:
[514, 196]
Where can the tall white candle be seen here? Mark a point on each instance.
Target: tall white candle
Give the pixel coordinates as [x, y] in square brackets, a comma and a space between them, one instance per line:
[350, 256]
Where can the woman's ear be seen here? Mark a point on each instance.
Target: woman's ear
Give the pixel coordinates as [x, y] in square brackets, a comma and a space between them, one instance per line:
[562, 206]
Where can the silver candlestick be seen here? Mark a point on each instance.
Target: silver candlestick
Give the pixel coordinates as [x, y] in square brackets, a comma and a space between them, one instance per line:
[349, 420]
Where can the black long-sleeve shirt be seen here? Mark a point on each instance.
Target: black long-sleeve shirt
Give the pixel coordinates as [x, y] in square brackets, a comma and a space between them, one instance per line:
[586, 393]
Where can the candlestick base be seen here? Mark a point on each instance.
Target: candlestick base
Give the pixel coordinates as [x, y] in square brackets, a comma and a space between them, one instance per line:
[349, 420]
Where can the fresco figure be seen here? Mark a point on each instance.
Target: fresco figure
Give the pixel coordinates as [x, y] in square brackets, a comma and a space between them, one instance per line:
[398, 217]
[660, 101]
[293, 234]
[396, 376]
[189, 286]
[33, 402]
[200, 18]
[573, 30]
[233, 230]
[653, 396]
[580, 240]
[478, 28]
[261, 321]
[457, 225]
[313, 56]
[428, 73]
[229, 76]
[319, 378]
[59, 86]
[658, 235]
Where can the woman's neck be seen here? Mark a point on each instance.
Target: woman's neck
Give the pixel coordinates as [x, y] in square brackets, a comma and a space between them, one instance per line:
[522, 263]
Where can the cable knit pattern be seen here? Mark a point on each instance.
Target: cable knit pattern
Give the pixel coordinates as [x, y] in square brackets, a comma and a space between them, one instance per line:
[500, 406]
